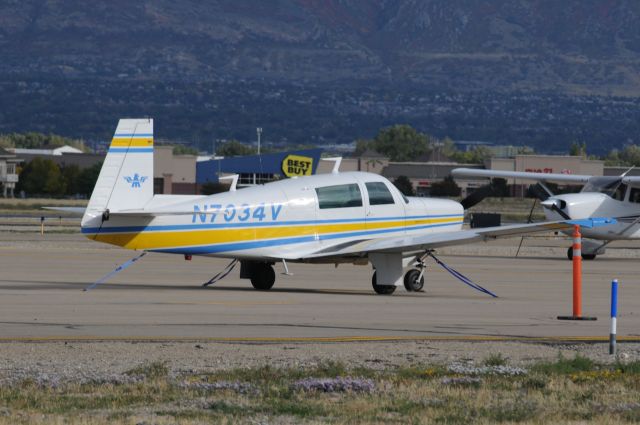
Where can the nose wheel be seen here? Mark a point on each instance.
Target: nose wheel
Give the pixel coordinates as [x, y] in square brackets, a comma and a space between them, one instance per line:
[414, 280]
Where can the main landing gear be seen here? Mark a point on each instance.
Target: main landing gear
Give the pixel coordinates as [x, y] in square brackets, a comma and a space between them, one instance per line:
[261, 274]
[413, 280]
[584, 255]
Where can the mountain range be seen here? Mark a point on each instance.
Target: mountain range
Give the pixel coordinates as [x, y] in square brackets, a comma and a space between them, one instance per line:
[539, 72]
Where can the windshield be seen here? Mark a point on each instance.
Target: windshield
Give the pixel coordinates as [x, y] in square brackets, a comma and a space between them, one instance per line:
[606, 185]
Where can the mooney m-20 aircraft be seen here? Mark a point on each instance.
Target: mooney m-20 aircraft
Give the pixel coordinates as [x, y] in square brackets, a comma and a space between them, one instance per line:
[350, 217]
[613, 196]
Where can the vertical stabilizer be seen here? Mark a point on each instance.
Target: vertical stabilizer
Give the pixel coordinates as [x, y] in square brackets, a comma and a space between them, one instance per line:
[126, 178]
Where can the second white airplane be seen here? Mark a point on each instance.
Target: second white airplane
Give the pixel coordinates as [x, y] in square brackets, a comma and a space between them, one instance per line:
[609, 196]
[350, 217]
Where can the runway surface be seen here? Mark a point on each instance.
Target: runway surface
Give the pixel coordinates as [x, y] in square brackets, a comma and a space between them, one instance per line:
[160, 297]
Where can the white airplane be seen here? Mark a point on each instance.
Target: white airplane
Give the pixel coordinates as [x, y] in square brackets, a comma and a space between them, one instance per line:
[350, 217]
[614, 196]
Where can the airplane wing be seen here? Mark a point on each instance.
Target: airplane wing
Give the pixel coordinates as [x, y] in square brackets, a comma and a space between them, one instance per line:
[413, 243]
[522, 175]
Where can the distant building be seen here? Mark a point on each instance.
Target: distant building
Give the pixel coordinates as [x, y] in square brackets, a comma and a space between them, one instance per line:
[173, 174]
[423, 174]
[46, 150]
[8, 172]
[259, 169]
[560, 164]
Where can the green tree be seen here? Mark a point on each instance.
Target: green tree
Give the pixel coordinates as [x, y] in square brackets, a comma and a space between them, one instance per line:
[42, 177]
[185, 150]
[401, 143]
[88, 178]
[447, 187]
[404, 185]
[578, 149]
[234, 148]
[37, 140]
[71, 176]
[362, 145]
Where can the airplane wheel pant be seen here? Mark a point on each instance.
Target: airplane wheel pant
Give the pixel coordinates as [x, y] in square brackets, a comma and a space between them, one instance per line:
[381, 289]
[263, 277]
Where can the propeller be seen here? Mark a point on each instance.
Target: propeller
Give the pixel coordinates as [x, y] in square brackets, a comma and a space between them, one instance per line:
[556, 205]
[538, 191]
[477, 196]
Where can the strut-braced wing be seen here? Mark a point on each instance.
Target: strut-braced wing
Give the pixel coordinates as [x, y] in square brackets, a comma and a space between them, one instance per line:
[413, 243]
[521, 175]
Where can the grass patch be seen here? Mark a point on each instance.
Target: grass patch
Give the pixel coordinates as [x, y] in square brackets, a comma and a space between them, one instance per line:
[496, 359]
[153, 370]
[561, 391]
[563, 366]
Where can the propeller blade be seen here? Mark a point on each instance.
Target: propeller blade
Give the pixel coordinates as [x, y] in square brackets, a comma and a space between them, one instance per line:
[538, 191]
[477, 196]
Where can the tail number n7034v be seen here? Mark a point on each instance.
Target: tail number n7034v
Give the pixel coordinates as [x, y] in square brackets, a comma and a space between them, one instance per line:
[231, 212]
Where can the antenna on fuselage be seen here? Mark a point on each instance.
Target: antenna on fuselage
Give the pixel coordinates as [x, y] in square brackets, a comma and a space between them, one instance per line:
[336, 165]
[234, 181]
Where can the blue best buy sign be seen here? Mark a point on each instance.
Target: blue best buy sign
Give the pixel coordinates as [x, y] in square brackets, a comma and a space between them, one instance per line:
[285, 164]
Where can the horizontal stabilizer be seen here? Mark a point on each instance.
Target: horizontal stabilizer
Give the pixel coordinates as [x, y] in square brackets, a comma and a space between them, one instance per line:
[72, 210]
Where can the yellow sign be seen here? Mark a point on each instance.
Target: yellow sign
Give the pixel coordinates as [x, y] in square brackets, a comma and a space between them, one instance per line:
[296, 165]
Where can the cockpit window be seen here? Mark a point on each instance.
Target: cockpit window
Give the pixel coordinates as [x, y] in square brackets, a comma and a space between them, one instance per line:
[634, 195]
[339, 196]
[611, 186]
[379, 194]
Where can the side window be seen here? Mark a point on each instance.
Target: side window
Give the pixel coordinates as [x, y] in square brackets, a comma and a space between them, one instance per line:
[618, 195]
[340, 196]
[379, 193]
[634, 195]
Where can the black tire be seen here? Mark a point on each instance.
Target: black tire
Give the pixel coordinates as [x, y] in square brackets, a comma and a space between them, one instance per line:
[263, 277]
[587, 257]
[411, 282]
[381, 289]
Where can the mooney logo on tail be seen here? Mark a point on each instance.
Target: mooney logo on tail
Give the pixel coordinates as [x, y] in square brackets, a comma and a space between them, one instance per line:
[136, 180]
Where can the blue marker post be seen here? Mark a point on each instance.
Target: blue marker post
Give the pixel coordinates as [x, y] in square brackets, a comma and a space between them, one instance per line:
[614, 314]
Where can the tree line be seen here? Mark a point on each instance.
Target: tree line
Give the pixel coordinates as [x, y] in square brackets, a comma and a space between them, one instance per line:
[43, 177]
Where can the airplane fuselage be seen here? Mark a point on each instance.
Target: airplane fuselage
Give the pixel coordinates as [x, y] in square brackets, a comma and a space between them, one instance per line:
[592, 204]
[285, 219]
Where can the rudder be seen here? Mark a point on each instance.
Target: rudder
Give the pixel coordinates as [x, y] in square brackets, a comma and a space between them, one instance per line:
[126, 178]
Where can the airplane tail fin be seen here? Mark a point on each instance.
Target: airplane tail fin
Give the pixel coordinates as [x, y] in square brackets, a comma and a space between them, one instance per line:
[126, 178]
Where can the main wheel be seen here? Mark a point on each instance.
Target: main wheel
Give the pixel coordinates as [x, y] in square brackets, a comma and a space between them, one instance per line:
[263, 277]
[411, 282]
[381, 289]
[584, 256]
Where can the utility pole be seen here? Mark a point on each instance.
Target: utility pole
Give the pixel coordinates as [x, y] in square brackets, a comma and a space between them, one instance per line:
[259, 131]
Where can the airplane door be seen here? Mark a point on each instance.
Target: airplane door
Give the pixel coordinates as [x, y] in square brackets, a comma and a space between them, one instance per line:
[384, 209]
[340, 211]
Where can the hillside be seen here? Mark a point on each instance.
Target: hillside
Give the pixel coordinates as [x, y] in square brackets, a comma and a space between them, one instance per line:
[325, 70]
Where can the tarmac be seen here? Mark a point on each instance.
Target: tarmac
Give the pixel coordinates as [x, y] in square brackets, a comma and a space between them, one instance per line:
[160, 298]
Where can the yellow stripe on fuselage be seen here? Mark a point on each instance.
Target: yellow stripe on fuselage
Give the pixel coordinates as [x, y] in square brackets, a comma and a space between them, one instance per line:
[175, 239]
[117, 142]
